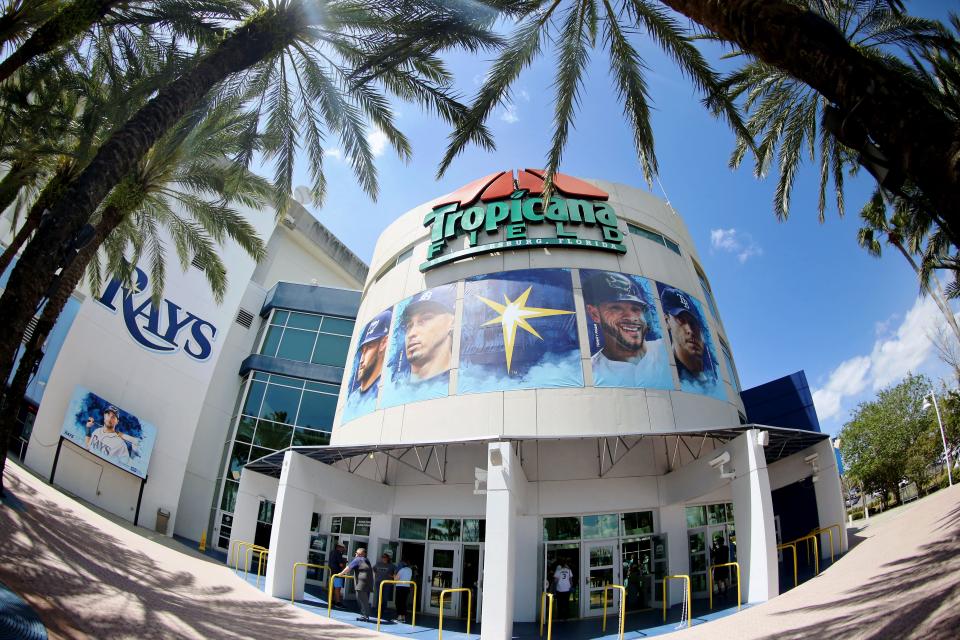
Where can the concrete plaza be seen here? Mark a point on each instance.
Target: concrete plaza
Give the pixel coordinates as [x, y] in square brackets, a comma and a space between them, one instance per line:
[90, 576]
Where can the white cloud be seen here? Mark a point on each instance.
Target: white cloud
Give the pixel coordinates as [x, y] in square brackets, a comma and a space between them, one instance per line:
[894, 354]
[523, 95]
[509, 114]
[738, 243]
[377, 140]
[333, 153]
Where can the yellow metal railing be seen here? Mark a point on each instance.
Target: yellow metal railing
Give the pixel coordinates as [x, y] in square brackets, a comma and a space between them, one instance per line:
[251, 549]
[793, 547]
[829, 529]
[293, 582]
[330, 589]
[667, 579]
[544, 597]
[380, 600]
[469, 607]
[710, 580]
[261, 563]
[623, 600]
[816, 551]
[235, 547]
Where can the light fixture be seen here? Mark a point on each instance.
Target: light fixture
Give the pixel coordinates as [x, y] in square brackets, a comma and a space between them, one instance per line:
[496, 457]
[812, 460]
[763, 438]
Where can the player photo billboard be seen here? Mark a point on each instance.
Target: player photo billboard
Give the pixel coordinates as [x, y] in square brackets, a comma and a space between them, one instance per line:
[366, 373]
[691, 343]
[627, 345]
[421, 347]
[108, 432]
[519, 332]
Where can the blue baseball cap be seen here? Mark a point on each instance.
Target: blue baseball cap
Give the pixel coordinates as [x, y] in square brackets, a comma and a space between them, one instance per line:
[606, 286]
[112, 409]
[377, 328]
[676, 302]
[439, 299]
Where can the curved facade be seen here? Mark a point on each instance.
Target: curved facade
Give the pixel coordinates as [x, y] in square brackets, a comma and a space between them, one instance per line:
[612, 331]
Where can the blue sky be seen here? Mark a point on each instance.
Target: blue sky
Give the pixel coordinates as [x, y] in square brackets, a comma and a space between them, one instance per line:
[793, 295]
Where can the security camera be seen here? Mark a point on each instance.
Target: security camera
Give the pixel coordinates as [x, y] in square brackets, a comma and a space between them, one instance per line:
[813, 457]
[721, 459]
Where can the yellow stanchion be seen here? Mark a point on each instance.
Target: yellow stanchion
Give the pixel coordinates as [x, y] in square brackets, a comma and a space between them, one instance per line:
[469, 608]
[667, 579]
[251, 548]
[234, 552]
[793, 547]
[543, 605]
[829, 529]
[623, 599]
[261, 563]
[293, 582]
[330, 589]
[710, 580]
[816, 551]
[380, 601]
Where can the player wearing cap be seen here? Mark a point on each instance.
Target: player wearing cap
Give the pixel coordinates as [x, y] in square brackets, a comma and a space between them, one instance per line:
[694, 362]
[618, 306]
[106, 441]
[428, 335]
[373, 346]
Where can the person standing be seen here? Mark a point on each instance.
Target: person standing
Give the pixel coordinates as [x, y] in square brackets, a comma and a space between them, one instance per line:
[383, 570]
[337, 565]
[405, 572]
[563, 584]
[363, 571]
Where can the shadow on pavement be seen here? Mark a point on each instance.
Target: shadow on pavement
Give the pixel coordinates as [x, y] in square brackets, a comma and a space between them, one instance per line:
[52, 558]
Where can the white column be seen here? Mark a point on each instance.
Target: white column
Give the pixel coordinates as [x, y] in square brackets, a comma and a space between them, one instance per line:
[830, 506]
[506, 488]
[753, 512]
[673, 523]
[253, 487]
[290, 533]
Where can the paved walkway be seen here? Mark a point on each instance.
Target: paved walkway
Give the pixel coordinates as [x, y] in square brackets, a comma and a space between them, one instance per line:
[87, 576]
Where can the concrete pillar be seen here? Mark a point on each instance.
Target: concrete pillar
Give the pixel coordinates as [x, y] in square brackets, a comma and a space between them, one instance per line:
[753, 512]
[673, 523]
[253, 488]
[290, 534]
[830, 506]
[506, 489]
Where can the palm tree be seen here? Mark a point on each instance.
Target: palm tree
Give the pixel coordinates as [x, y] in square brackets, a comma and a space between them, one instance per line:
[343, 55]
[181, 193]
[785, 113]
[575, 29]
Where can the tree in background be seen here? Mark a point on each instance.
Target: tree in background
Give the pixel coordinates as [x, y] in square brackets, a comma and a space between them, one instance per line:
[893, 438]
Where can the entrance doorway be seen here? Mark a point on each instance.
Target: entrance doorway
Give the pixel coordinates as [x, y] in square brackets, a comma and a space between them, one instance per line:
[443, 572]
[602, 562]
[567, 553]
[472, 577]
[352, 543]
[413, 554]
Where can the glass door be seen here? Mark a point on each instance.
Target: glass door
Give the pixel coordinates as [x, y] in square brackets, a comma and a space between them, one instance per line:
[602, 560]
[352, 543]
[568, 554]
[443, 572]
[637, 560]
[472, 577]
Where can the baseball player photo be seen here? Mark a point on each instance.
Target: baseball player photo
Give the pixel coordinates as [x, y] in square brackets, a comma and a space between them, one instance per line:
[367, 367]
[421, 347]
[106, 441]
[693, 350]
[626, 344]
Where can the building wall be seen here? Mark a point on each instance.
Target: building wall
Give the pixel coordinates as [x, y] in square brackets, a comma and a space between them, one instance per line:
[541, 412]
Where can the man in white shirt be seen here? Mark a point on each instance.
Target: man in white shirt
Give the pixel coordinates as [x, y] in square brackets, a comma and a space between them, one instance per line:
[106, 441]
[618, 309]
[563, 585]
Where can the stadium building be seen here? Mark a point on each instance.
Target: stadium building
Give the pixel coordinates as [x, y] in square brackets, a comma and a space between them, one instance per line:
[531, 385]
[511, 384]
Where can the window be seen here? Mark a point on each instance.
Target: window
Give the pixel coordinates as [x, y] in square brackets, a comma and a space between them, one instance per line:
[474, 530]
[707, 292]
[637, 523]
[265, 512]
[734, 378]
[308, 337]
[601, 526]
[413, 528]
[653, 236]
[713, 514]
[357, 525]
[567, 528]
[444, 530]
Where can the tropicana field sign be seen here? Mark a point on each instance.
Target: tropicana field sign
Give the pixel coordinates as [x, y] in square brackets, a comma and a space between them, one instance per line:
[500, 202]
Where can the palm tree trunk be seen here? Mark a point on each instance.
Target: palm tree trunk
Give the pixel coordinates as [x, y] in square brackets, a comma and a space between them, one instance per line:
[920, 141]
[935, 292]
[71, 21]
[48, 195]
[267, 34]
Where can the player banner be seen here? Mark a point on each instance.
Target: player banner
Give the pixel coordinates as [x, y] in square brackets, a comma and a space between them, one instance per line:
[421, 347]
[627, 348]
[691, 343]
[367, 370]
[108, 432]
[519, 332]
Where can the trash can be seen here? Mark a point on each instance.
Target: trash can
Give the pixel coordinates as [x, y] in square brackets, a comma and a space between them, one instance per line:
[163, 519]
